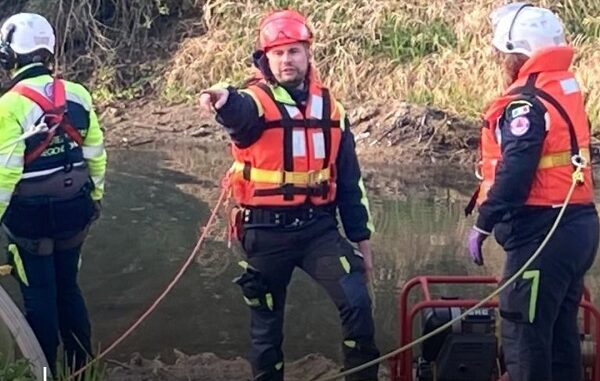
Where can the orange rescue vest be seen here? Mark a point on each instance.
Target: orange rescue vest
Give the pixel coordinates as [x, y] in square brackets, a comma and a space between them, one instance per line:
[545, 77]
[293, 161]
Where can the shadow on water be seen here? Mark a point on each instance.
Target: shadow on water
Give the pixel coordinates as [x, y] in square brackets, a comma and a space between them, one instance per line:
[155, 203]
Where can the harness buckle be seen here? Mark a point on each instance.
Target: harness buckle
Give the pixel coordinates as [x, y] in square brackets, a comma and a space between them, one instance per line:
[278, 218]
[579, 161]
[317, 177]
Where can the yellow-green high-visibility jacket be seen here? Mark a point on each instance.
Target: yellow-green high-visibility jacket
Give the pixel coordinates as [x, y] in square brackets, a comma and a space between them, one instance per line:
[18, 115]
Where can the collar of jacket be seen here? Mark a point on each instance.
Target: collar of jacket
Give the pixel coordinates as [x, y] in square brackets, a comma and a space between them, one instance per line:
[556, 58]
[300, 96]
[26, 72]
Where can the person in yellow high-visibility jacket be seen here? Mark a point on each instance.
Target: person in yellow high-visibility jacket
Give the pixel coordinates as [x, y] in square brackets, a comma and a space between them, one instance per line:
[52, 166]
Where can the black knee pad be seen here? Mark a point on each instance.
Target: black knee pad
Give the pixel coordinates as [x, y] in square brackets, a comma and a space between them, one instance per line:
[356, 291]
[254, 288]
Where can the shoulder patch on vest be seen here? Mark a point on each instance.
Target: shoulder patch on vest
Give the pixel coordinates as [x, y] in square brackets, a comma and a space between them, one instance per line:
[519, 126]
[520, 111]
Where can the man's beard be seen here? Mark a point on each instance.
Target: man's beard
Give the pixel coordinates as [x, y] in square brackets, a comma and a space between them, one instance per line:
[294, 82]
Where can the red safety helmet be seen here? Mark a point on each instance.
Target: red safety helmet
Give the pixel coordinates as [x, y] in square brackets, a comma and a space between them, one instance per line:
[283, 27]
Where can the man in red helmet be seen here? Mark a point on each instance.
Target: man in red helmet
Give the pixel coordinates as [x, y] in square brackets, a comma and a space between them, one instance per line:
[295, 167]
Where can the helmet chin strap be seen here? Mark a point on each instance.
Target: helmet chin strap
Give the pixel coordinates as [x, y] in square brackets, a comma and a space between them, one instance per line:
[53, 63]
[260, 61]
[509, 43]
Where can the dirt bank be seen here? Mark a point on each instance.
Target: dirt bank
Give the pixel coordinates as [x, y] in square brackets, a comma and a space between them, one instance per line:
[401, 132]
[208, 367]
[401, 143]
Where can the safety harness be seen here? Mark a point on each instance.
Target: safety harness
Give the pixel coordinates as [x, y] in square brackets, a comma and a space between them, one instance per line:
[54, 116]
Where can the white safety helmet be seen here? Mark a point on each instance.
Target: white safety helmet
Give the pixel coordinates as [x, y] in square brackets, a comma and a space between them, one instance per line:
[523, 28]
[27, 32]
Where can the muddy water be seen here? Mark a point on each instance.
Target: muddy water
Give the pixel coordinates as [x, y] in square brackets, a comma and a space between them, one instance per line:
[156, 200]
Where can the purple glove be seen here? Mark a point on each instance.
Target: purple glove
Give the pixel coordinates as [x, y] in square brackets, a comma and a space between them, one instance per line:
[475, 239]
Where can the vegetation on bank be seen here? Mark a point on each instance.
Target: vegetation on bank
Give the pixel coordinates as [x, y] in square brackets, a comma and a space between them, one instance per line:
[15, 370]
[432, 52]
[117, 47]
[19, 370]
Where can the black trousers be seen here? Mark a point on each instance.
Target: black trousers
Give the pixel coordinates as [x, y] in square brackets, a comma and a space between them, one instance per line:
[318, 249]
[53, 300]
[540, 335]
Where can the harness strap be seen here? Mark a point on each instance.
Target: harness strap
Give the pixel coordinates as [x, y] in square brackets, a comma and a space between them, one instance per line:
[55, 115]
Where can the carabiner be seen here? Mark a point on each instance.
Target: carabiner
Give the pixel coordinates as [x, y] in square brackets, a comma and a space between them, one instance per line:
[579, 161]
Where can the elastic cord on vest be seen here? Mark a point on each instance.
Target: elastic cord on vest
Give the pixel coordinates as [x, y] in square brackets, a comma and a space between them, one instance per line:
[576, 178]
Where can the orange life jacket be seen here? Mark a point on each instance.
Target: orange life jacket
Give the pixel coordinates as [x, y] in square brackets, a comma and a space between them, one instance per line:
[293, 161]
[545, 76]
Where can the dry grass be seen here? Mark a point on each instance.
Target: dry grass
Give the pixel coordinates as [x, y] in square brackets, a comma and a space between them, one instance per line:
[111, 44]
[423, 51]
[429, 52]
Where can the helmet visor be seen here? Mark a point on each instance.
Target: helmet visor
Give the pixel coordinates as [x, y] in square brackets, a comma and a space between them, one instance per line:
[283, 31]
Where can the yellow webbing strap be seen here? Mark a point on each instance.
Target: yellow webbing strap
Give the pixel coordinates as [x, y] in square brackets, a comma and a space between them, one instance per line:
[282, 177]
[560, 159]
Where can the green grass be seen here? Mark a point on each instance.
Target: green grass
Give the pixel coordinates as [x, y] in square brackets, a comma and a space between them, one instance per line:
[403, 41]
[19, 370]
[581, 18]
[15, 370]
[95, 372]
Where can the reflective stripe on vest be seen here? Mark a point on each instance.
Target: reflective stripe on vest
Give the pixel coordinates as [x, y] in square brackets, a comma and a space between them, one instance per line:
[280, 177]
[46, 172]
[294, 158]
[561, 159]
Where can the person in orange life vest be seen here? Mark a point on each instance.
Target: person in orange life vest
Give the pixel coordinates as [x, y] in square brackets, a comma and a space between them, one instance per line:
[295, 166]
[530, 136]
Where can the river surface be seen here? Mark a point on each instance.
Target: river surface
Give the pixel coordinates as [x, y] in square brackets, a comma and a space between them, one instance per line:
[156, 201]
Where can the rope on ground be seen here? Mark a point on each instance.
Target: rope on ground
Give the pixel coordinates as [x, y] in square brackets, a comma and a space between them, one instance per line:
[577, 176]
[166, 291]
